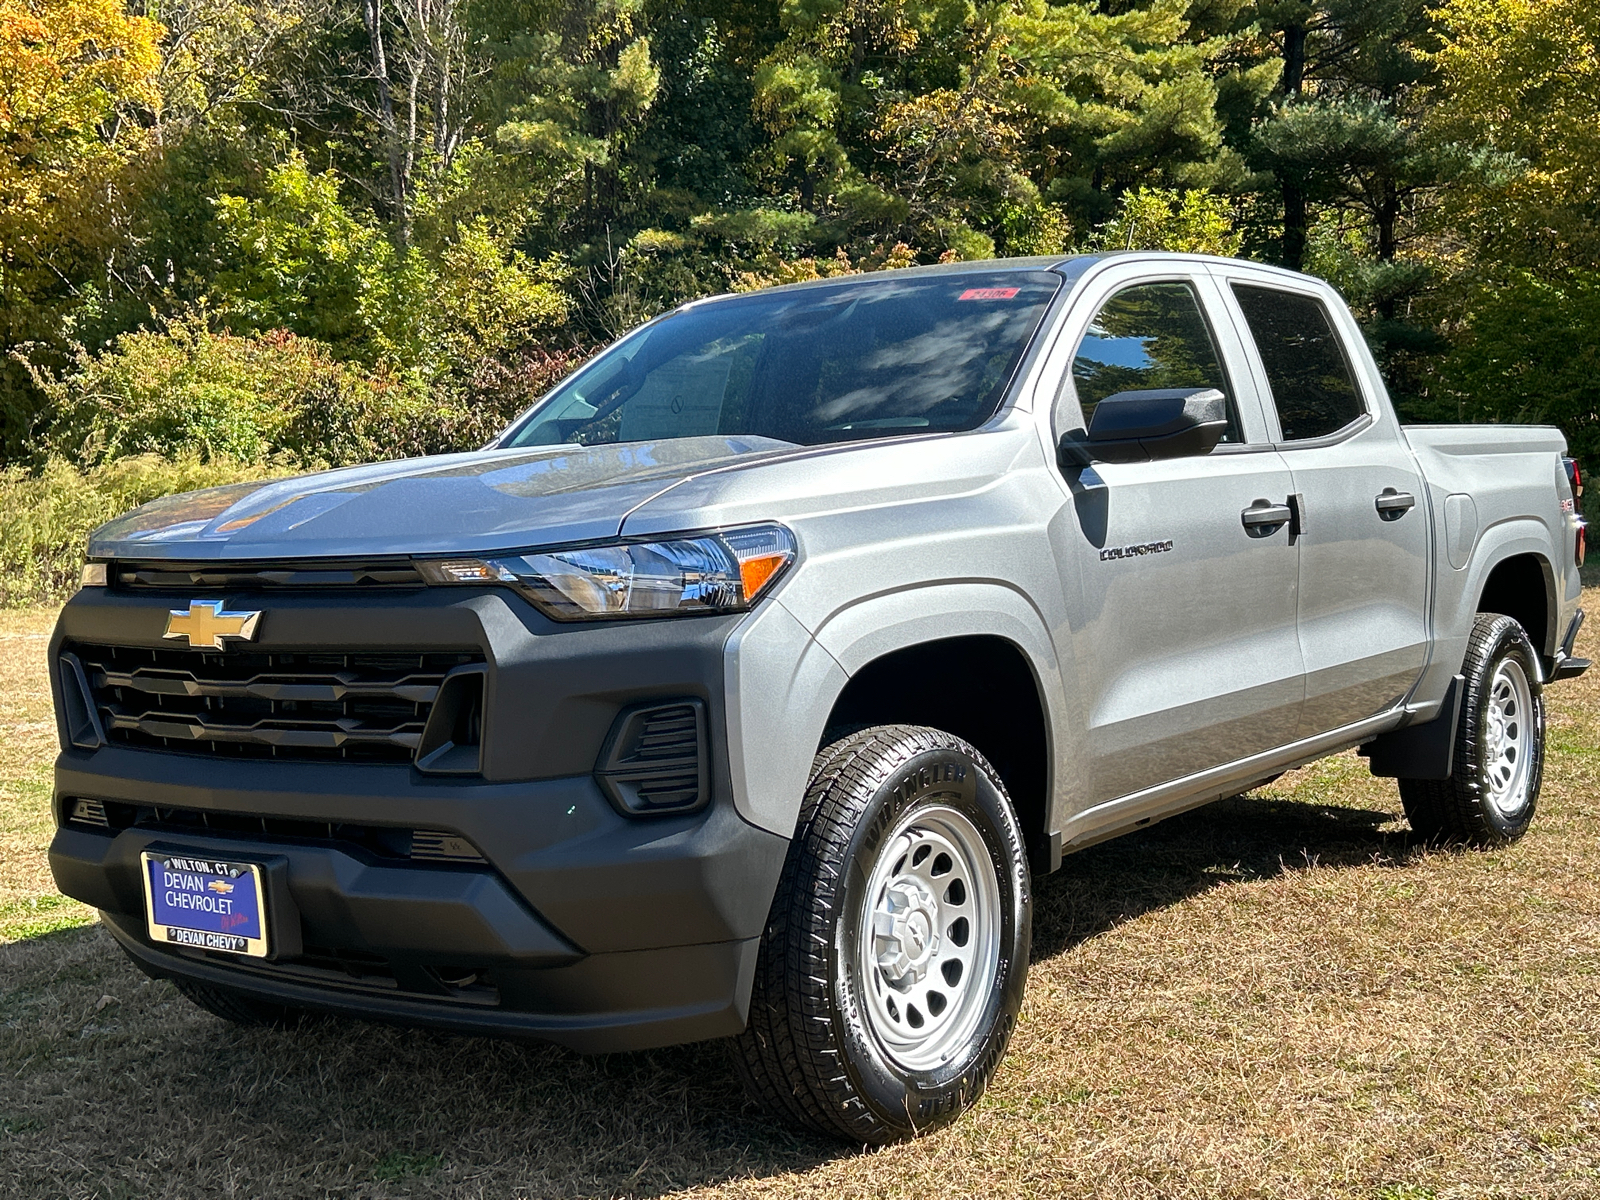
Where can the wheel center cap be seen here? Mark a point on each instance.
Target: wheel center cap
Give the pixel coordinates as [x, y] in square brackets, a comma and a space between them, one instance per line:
[1497, 732]
[906, 932]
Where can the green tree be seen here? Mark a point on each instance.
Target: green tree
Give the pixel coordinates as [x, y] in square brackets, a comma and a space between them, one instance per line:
[1525, 299]
[1195, 222]
[74, 75]
[1524, 76]
[1341, 126]
[302, 261]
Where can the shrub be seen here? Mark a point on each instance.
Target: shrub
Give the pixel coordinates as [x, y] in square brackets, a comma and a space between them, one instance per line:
[46, 517]
[1530, 352]
[187, 409]
[188, 391]
[192, 392]
[299, 259]
[498, 391]
[1192, 222]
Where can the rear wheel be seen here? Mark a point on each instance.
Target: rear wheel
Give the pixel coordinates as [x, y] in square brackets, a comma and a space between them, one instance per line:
[1493, 790]
[894, 959]
[239, 1008]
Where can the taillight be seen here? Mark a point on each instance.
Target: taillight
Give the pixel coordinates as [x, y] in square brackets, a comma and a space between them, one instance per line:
[1575, 479]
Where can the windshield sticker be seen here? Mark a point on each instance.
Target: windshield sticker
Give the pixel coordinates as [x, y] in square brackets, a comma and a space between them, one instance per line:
[680, 398]
[988, 294]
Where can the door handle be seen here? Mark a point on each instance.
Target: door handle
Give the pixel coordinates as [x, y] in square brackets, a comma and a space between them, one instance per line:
[1263, 517]
[1393, 505]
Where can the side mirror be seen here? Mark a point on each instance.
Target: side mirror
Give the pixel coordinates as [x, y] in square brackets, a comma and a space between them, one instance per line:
[1138, 426]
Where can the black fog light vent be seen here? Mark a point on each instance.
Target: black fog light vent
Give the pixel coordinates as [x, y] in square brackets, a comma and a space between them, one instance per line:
[655, 758]
[436, 845]
[452, 740]
[87, 812]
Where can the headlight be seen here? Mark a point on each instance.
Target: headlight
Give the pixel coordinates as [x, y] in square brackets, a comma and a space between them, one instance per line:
[707, 573]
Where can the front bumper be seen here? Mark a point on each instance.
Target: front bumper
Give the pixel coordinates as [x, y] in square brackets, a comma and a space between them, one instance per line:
[582, 926]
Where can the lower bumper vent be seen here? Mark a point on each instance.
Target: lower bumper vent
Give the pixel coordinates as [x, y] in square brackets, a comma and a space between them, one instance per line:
[373, 841]
[352, 969]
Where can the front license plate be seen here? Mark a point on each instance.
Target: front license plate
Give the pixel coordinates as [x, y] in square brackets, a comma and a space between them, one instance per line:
[205, 903]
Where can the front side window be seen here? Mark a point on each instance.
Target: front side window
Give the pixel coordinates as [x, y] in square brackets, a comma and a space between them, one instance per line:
[1152, 335]
[858, 359]
[1312, 385]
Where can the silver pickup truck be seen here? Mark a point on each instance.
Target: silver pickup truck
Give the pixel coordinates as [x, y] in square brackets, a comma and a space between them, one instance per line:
[741, 687]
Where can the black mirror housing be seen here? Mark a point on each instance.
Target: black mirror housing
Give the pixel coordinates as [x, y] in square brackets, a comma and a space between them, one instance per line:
[1139, 426]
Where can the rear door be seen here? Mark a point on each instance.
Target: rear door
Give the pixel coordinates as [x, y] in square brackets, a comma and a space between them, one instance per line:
[1362, 525]
[1183, 617]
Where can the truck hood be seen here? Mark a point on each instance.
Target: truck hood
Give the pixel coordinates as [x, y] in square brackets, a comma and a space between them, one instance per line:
[450, 504]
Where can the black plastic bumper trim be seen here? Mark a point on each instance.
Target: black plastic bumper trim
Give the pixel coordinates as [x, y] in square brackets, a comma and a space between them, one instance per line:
[604, 1004]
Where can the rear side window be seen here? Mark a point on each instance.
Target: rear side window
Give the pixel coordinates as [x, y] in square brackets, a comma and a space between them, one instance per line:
[1152, 335]
[1312, 384]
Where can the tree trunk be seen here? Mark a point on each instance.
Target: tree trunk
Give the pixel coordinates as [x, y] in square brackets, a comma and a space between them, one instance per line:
[1388, 217]
[1295, 218]
[372, 14]
[1294, 226]
[1294, 60]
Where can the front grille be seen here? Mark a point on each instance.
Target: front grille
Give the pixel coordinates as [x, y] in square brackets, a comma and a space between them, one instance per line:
[303, 706]
[236, 577]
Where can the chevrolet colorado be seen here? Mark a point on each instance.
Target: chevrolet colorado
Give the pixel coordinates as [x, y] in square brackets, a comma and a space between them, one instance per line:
[741, 686]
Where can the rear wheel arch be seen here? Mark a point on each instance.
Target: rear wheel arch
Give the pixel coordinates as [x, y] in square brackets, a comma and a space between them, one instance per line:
[1523, 587]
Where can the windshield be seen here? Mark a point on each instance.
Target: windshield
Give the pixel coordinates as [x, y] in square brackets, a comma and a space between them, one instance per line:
[825, 364]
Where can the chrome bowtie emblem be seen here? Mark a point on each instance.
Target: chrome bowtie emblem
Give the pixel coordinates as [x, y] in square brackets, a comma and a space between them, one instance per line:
[205, 624]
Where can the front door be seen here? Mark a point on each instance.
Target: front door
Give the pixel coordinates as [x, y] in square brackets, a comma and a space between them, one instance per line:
[1183, 626]
[1363, 532]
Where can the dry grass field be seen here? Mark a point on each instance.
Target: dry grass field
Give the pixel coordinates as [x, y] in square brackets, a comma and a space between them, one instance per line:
[1277, 996]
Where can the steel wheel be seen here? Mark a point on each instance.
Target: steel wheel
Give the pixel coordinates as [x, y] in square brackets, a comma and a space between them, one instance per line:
[1498, 760]
[895, 956]
[929, 940]
[1508, 728]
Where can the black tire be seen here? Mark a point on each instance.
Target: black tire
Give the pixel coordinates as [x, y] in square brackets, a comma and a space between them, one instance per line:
[811, 1053]
[1462, 810]
[239, 1008]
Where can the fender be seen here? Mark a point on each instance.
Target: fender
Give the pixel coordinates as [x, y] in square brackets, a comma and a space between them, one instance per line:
[875, 625]
[865, 631]
[1503, 540]
[1456, 603]
[783, 682]
[780, 686]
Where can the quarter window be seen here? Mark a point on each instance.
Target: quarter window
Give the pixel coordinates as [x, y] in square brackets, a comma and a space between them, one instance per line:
[1152, 335]
[1310, 377]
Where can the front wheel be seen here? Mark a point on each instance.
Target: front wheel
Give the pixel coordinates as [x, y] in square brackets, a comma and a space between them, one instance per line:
[1493, 789]
[893, 963]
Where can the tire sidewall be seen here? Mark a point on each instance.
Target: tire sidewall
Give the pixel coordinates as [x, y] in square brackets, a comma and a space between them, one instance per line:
[1510, 641]
[913, 1101]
